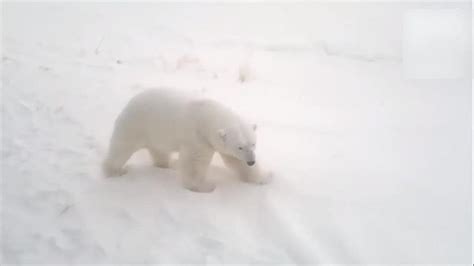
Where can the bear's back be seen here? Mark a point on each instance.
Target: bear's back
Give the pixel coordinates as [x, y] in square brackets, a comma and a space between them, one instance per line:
[153, 116]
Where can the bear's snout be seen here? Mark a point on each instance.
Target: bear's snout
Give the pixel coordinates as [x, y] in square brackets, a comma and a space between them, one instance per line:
[250, 163]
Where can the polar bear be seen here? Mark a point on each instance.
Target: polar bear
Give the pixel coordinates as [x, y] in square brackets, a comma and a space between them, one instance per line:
[165, 121]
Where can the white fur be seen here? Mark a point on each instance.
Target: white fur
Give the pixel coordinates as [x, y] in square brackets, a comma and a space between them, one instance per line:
[164, 122]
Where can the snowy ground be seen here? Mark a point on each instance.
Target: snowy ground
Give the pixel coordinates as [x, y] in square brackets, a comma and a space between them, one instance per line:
[370, 166]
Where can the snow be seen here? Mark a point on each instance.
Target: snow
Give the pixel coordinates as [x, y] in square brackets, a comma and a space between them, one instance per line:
[370, 165]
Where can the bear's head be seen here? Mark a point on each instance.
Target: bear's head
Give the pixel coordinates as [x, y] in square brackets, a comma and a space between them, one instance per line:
[239, 142]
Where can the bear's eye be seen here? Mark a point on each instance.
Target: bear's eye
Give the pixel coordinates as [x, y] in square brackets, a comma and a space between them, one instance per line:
[240, 148]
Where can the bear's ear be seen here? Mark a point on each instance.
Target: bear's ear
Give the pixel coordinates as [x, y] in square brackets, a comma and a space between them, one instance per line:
[222, 133]
[254, 127]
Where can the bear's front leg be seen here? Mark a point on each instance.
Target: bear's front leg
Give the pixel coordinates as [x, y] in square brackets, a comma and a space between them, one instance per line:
[250, 174]
[193, 165]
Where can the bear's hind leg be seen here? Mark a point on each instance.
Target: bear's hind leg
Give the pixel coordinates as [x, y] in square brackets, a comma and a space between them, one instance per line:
[160, 159]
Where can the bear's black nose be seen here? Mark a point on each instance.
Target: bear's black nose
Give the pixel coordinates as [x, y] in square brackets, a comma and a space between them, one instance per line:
[251, 163]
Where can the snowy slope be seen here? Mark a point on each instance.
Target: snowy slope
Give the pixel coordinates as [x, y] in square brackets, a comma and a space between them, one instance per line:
[370, 167]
